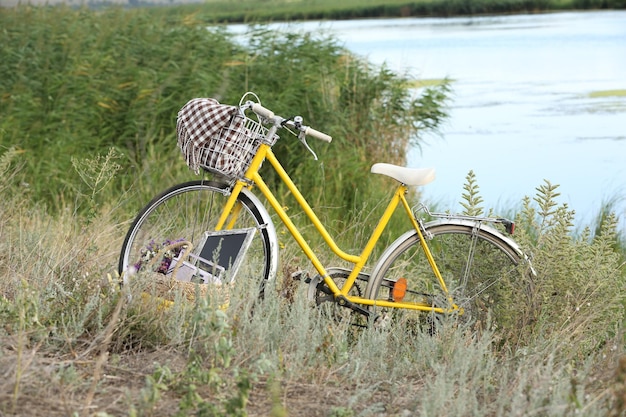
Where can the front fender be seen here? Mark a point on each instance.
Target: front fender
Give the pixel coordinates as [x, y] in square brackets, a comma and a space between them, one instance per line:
[492, 232]
[439, 225]
[270, 229]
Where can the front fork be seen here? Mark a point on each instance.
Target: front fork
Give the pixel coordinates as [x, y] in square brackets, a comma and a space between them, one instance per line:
[231, 208]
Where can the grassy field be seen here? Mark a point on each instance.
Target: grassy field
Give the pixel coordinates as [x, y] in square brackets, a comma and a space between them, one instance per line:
[88, 101]
[72, 343]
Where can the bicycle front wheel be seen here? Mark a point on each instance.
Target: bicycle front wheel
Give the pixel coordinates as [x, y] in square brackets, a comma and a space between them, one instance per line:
[186, 212]
[481, 268]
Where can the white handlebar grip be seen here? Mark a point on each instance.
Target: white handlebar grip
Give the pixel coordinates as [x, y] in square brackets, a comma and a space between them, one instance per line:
[262, 111]
[318, 135]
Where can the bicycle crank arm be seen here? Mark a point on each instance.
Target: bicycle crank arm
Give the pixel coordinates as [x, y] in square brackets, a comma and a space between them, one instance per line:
[343, 302]
[317, 285]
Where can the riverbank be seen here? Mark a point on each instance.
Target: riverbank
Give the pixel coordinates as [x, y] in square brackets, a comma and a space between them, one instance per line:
[281, 10]
[244, 11]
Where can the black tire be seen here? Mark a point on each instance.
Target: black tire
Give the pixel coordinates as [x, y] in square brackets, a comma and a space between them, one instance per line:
[186, 211]
[481, 268]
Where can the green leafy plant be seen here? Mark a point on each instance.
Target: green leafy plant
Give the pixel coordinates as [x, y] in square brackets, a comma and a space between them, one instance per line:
[471, 197]
[580, 282]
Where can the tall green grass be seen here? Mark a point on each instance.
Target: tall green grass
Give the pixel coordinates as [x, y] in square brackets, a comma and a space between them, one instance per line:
[76, 83]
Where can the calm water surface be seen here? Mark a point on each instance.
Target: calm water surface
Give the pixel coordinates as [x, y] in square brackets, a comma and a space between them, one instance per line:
[523, 106]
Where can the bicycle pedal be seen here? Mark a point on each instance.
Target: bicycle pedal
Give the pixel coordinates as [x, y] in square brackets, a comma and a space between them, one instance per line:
[301, 276]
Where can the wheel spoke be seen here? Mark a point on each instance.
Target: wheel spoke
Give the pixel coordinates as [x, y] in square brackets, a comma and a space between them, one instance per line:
[479, 268]
[186, 212]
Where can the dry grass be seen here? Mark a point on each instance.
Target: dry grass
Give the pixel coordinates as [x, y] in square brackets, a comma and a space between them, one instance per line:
[73, 343]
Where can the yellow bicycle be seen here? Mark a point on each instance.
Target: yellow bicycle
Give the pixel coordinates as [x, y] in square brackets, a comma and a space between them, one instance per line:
[218, 230]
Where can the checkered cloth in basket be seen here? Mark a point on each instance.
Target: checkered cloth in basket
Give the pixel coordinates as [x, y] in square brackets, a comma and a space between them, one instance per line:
[200, 121]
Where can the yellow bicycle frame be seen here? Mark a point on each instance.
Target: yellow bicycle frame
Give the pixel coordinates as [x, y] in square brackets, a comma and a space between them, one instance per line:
[252, 176]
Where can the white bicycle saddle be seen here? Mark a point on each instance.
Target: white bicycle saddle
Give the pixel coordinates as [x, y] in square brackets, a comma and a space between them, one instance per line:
[407, 176]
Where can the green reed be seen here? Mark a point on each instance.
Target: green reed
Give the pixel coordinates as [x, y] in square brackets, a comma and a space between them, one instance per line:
[77, 83]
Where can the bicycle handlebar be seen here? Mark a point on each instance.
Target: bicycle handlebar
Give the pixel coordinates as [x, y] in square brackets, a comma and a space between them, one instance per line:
[262, 111]
[268, 114]
[317, 134]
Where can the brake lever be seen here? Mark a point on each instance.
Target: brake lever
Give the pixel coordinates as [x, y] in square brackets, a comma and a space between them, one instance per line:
[302, 138]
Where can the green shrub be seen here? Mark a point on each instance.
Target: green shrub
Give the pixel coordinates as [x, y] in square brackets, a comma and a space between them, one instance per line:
[580, 286]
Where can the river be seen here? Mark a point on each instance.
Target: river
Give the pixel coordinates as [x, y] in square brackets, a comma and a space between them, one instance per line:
[535, 97]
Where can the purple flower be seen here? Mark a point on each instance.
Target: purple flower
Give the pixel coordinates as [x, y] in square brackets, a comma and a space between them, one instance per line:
[153, 249]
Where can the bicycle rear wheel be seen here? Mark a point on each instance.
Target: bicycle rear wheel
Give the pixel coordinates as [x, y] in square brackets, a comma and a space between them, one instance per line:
[186, 212]
[482, 269]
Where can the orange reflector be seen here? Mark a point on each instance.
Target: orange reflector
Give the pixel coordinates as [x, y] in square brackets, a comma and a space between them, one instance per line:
[399, 290]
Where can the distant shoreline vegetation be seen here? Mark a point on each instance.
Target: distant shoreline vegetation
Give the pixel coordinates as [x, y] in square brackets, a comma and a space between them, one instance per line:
[247, 11]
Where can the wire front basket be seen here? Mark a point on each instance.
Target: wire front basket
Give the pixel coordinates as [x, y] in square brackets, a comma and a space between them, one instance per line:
[230, 152]
[218, 138]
